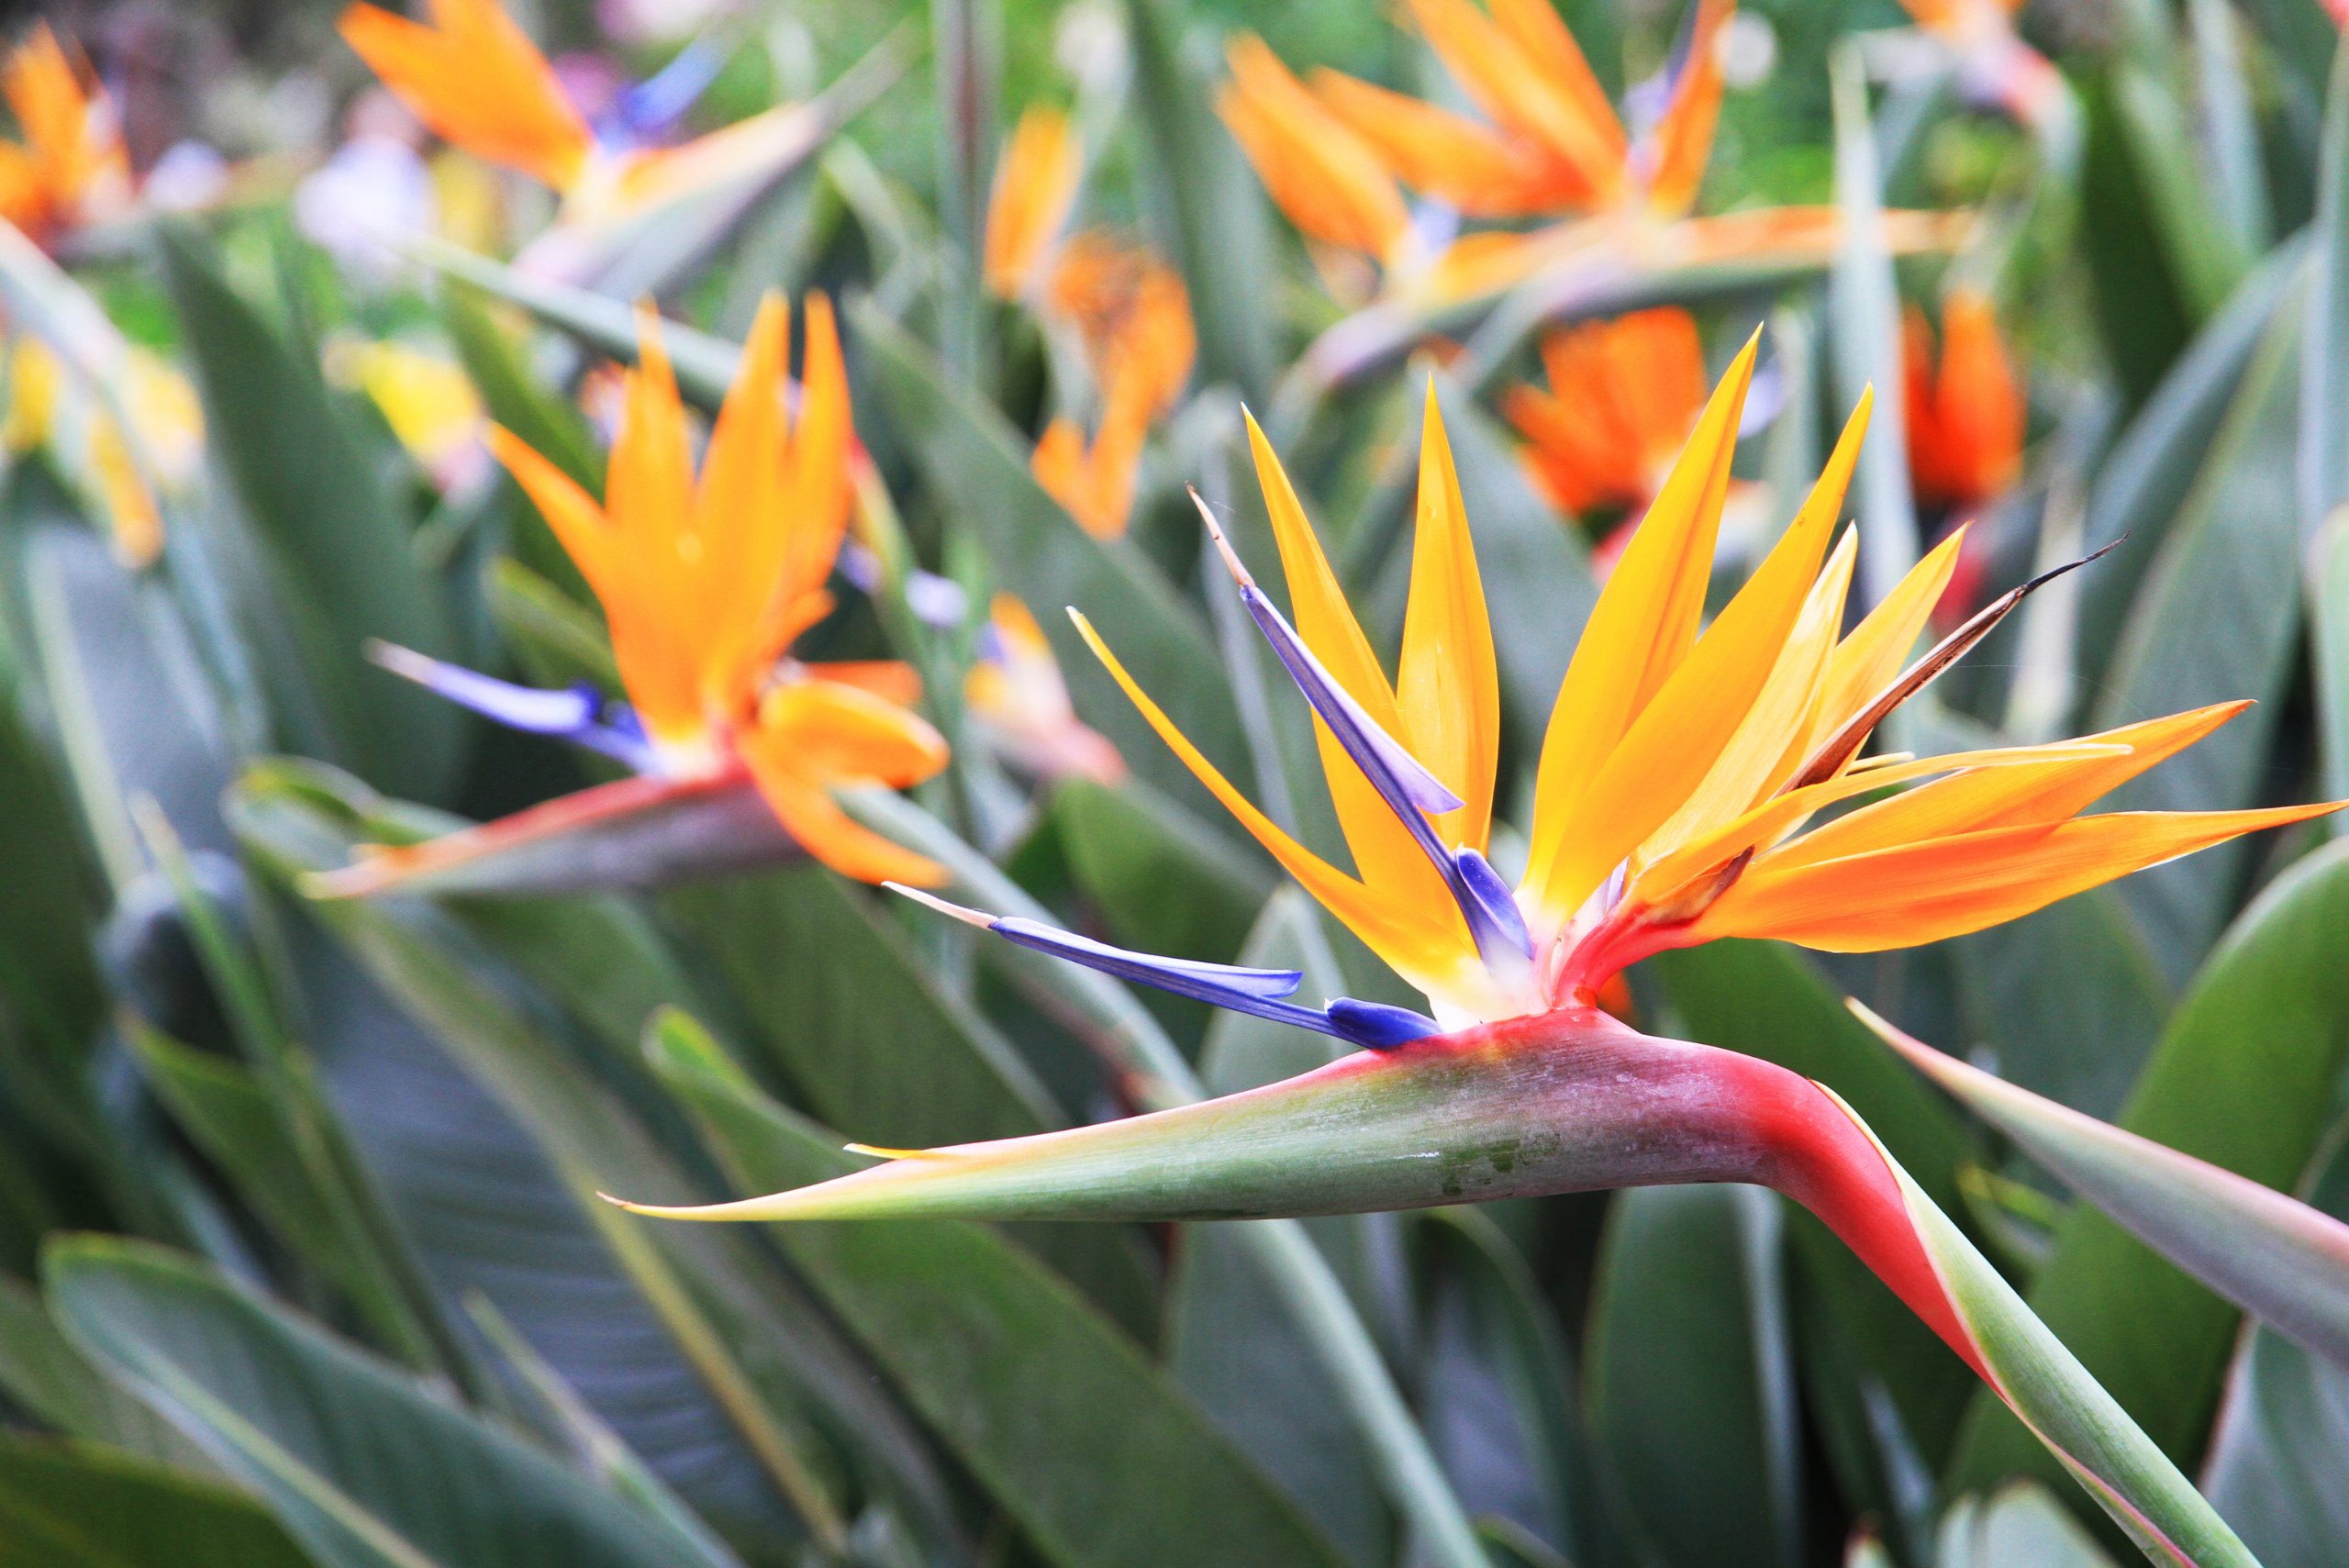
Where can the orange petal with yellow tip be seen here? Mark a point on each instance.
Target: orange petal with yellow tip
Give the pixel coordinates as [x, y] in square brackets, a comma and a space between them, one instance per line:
[810, 816]
[738, 513]
[1386, 855]
[1447, 686]
[1441, 154]
[1507, 82]
[476, 79]
[1426, 943]
[1683, 137]
[1877, 649]
[1638, 633]
[1678, 743]
[1035, 183]
[1976, 802]
[817, 493]
[842, 733]
[1670, 875]
[1947, 887]
[1331, 184]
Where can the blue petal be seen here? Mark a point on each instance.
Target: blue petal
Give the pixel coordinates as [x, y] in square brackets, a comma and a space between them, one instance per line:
[1377, 1026]
[1491, 908]
[651, 106]
[576, 714]
[1225, 984]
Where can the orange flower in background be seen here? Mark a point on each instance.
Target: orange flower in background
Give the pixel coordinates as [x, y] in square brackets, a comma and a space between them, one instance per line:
[1127, 310]
[706, 583]
[1623, 397]
[1332, 183]
[70, 168]
[1035, 184]
[478, 81]
[1967, 415]
[1021, 704]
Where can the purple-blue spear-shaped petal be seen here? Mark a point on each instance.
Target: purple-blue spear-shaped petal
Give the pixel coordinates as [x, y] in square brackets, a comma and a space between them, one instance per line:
[1401, 780]
[1256, 991]
[576, 714]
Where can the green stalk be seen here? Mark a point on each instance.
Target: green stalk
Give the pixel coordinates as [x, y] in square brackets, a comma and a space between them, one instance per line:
[1107, 1017]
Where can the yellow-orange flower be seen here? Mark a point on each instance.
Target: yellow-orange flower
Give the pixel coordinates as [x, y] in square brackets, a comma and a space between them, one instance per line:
[1128, 310]
[1965, 417]
[478, 81]
[1681, 761]
[1329, 181]
[70, 168]
[1624, 395]
[706, 583]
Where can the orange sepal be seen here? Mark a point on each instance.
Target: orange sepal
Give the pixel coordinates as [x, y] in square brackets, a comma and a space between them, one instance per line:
[476, 79]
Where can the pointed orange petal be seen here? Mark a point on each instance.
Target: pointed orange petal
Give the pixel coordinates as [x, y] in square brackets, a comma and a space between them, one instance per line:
[740, 525]
[1537, 28]
[477, 80]
[1877, 649]
[1637, 635]
[1426, 943]
[840, 733]
[817, 492]
[1448, 682]
[1441, 154]
[577, 521]
[1945, 887]
[1683, 137]
[1331, 184]
[809, 815]
[1386, 855]
[1507, 82]
[1035, 184]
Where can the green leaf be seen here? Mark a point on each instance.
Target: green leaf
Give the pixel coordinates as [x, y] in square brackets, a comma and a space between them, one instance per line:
[2243, 1078]
[63, 1506]
[772, 1371]
[2324, 346]
[2329, 609]
[2068, 999]
[546, 423]
[976, 467]
[557, 640]
[2022, 1522]
[2145, 310]
[1691, 1382]
[361, 1463]
[1073, 1432]
[1205, 197]
[875, 1045]
[48, 1379]
[2211, 626]
[2143, 486]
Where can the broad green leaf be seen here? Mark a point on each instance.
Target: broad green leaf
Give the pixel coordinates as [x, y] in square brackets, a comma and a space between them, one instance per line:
[2282, 1434]
[1689, 1380]
[46, 969]
[772, 1372]
[2020, 1523]
[2324, 456]
[1073, 1432]
[1205, 197]
[2143, 486]
[2145, 310]
[360, 1462]
[1231, 1342]
[2068, 1000]
[2208, 259]
[2212, 625]
[1863, 305]
[556, 640]
[46, 1378]
[2283, 1261]
[967, 66]
[67, 1506]
[326, 556]
[975, 466]
[874, 1044]
[2235, 180]
[2243, 1078]
[546, 423]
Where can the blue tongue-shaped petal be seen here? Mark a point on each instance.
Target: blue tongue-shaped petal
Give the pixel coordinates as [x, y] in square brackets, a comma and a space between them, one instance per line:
[1410, 791]
[575, 714]
[1256, 991]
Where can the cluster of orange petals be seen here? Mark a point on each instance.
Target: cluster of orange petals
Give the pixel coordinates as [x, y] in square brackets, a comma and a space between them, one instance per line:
[1333, 149]
[478, 81]
[1621, 399]
[1683, 760]
[1966, 416]
[1129, 308]
[70, 167]
[704, 583]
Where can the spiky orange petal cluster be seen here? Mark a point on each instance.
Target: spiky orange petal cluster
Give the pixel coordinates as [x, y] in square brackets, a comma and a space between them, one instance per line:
[1326, 178]
[1681, 760]
[1621, 399]
[1965, 418]
[476, 79]
[71, 163]
[706, 583]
